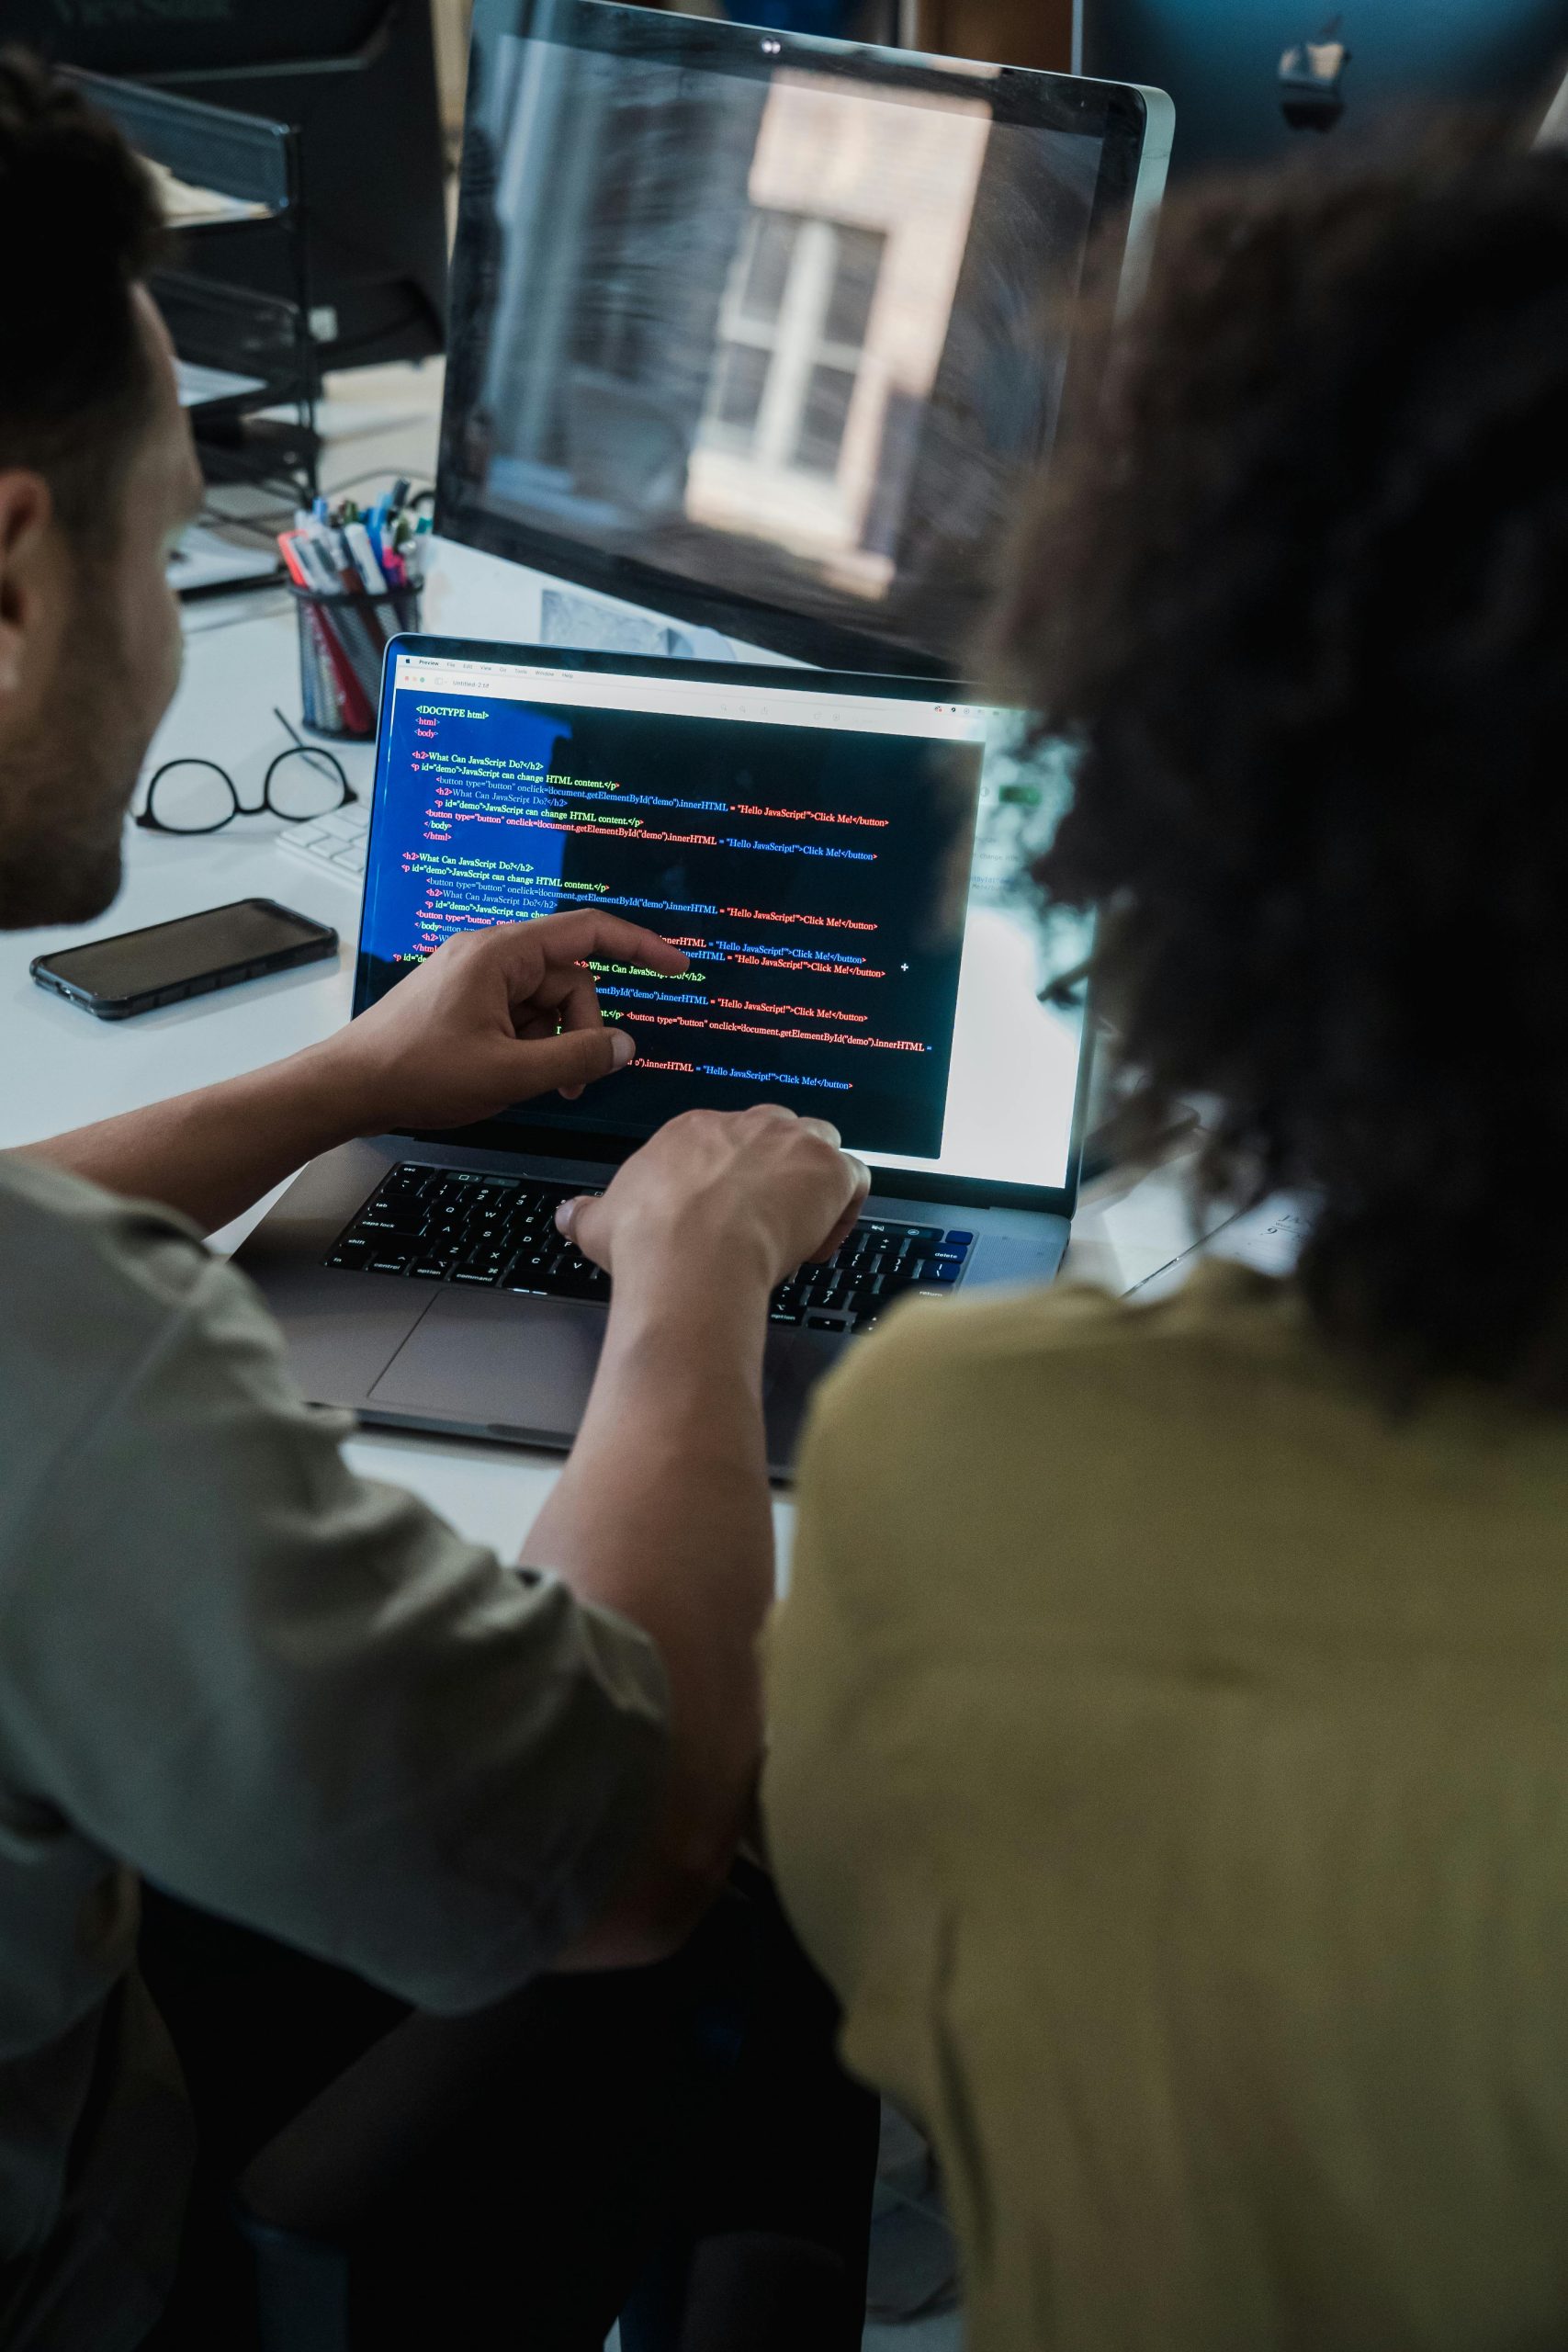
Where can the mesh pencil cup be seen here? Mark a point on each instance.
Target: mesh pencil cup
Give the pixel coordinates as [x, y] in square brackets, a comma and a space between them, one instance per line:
[342, 634]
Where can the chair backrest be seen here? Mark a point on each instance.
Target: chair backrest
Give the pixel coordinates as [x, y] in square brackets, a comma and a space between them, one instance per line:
[301, 2290]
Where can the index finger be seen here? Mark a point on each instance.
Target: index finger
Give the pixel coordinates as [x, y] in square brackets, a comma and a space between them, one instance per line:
[573, 938]
[849, 1217]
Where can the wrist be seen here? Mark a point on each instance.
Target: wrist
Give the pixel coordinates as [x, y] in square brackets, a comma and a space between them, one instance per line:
[710, 1289]
[697, 1342]
[332, 1085]
[688, 1252]
[325, 1096]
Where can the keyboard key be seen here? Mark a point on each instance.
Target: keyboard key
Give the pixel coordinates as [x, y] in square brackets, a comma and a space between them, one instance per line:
[939, 1270]
[777, 1314]
[825, 1323]
[460, 1225]
[958, 1240]
[593, 1286]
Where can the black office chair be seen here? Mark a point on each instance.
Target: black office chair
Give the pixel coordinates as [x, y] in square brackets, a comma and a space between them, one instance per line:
[309, 2204]
[304, 2205]
[752, 2291]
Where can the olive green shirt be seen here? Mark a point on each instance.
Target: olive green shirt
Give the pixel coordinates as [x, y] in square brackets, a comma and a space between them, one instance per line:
[1170, 1769]
[289, 1696]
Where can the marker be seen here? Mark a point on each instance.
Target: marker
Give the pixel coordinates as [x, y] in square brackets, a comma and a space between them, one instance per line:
[364, 555]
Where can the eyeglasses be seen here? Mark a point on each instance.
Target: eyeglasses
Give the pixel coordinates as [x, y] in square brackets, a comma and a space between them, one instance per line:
[199, 797]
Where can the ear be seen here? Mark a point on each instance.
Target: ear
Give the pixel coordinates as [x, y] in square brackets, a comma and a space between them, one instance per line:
[28, 570]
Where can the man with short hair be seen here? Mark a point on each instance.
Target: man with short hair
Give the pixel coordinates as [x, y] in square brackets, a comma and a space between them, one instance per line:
[291, 1698]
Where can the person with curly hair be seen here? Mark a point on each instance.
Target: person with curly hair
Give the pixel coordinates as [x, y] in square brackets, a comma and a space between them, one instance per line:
[1170, 1714]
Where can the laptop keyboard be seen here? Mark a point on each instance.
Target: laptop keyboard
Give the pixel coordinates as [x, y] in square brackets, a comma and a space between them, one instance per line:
[441, 1225]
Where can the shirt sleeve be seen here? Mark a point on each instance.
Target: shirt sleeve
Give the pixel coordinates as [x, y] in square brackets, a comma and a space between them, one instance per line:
[299, 1699]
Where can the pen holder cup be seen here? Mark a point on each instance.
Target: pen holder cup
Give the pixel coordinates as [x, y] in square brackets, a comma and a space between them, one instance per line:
[343, 635]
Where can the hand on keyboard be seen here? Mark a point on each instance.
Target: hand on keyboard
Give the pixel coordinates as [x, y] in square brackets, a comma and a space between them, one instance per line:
[440, 1225]
[753, 1192]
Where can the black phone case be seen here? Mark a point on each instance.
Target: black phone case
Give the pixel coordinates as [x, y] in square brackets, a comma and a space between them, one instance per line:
[223, 976]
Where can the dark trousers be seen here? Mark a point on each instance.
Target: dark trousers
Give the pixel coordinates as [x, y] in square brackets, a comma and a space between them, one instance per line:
[676, 2143]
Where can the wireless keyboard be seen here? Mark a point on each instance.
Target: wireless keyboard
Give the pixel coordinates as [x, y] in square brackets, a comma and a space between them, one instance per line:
[333, 845]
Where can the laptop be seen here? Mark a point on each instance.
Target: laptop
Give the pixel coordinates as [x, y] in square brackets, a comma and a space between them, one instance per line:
[839, 856]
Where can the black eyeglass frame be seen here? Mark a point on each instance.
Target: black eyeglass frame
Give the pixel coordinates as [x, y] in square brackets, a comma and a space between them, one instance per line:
[266, 807]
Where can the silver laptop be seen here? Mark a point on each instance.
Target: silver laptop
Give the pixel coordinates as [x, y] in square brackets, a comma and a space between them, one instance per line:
[840, 856]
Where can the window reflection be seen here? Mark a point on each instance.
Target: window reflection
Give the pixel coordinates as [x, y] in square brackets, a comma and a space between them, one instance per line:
[793, 336]
[834, 322]
[782, 337]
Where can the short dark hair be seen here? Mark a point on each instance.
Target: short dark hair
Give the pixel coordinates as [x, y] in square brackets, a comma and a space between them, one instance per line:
[1299, 586]
[79, 224]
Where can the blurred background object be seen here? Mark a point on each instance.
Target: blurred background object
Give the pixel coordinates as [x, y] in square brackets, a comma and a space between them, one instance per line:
[1224, 63]
[451, 22]
[357, 80]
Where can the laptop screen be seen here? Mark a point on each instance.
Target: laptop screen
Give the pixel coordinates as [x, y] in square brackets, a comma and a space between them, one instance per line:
[838, 857]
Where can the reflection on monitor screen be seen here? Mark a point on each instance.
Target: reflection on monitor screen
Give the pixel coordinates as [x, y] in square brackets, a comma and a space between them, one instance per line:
[785, 335]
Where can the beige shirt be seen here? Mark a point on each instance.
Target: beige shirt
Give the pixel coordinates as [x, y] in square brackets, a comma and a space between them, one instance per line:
[286, 1695]
[1170, 1769]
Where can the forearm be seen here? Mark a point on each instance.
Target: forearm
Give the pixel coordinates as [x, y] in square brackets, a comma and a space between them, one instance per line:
[663, 1514]
[211, 1153]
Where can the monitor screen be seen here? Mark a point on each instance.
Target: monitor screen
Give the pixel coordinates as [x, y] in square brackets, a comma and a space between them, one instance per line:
[763, 331]
[839, 858]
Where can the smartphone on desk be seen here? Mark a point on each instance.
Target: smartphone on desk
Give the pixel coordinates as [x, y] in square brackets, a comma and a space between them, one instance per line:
[170, 961]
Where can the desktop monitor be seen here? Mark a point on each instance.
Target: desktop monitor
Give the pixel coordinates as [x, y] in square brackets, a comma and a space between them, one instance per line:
[358, 79]
[763, 331]
[1220, 61]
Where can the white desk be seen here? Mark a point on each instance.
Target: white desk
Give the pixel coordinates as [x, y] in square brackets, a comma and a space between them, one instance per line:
[64, 1068]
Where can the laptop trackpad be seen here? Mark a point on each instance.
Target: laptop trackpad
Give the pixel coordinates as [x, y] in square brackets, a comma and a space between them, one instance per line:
[512, 1367]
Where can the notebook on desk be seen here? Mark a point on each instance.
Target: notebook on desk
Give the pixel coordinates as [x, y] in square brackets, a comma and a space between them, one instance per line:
[839, 856]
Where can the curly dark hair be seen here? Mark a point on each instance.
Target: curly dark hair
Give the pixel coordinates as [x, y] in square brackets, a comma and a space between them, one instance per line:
[1298, 585]
[79, 224]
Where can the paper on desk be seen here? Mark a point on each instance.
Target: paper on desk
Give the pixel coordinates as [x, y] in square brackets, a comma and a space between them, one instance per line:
[204, 560]
[185, 207]
[1268, 1239]
[199, 385]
